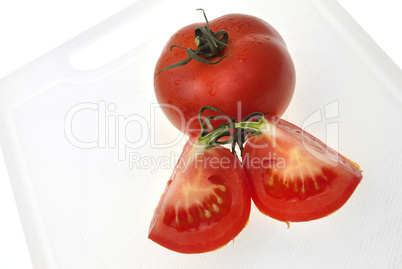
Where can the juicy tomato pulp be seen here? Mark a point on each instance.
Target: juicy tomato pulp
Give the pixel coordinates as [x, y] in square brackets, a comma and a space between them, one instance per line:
[294, 176]
[260, 76]
[206, 202]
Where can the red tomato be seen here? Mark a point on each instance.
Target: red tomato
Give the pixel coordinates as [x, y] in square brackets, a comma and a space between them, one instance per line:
[260, 75]
[206, 202]
[295, 177]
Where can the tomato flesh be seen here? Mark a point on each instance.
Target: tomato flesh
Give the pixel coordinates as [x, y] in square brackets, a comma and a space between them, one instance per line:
[294, 176]
[206, 202]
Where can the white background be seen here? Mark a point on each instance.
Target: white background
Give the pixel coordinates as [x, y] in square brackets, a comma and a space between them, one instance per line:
[29, 29]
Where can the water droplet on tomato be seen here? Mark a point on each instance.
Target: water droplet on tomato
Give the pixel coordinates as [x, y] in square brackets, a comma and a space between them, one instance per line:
[241, 60]
[177, 82]
[212, 92]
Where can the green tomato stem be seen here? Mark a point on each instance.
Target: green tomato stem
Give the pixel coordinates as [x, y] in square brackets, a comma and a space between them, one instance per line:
[235, 133]
[209, 45]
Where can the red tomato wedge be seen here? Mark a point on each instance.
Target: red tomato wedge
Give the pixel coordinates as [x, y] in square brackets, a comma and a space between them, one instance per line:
[206, 202]
[294, 176]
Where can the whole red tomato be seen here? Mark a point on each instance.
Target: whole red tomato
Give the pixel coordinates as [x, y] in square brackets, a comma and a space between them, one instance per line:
[259, 75]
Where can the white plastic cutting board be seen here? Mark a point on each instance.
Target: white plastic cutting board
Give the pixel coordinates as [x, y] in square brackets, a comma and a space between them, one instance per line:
[88, 205]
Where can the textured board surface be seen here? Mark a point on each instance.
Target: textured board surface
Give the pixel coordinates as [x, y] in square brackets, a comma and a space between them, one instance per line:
[89, 151]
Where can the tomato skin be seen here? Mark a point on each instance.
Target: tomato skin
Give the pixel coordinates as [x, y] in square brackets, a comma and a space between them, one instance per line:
[285, 201]
[259, 77]
[225, 180]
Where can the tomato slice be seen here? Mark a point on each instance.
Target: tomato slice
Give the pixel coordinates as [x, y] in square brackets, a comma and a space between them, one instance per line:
[294, 176]
[206, 202]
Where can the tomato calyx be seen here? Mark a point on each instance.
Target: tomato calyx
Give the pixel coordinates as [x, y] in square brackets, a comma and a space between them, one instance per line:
[230, 132]
[211, 136]
[249, 126]
[209, 45]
